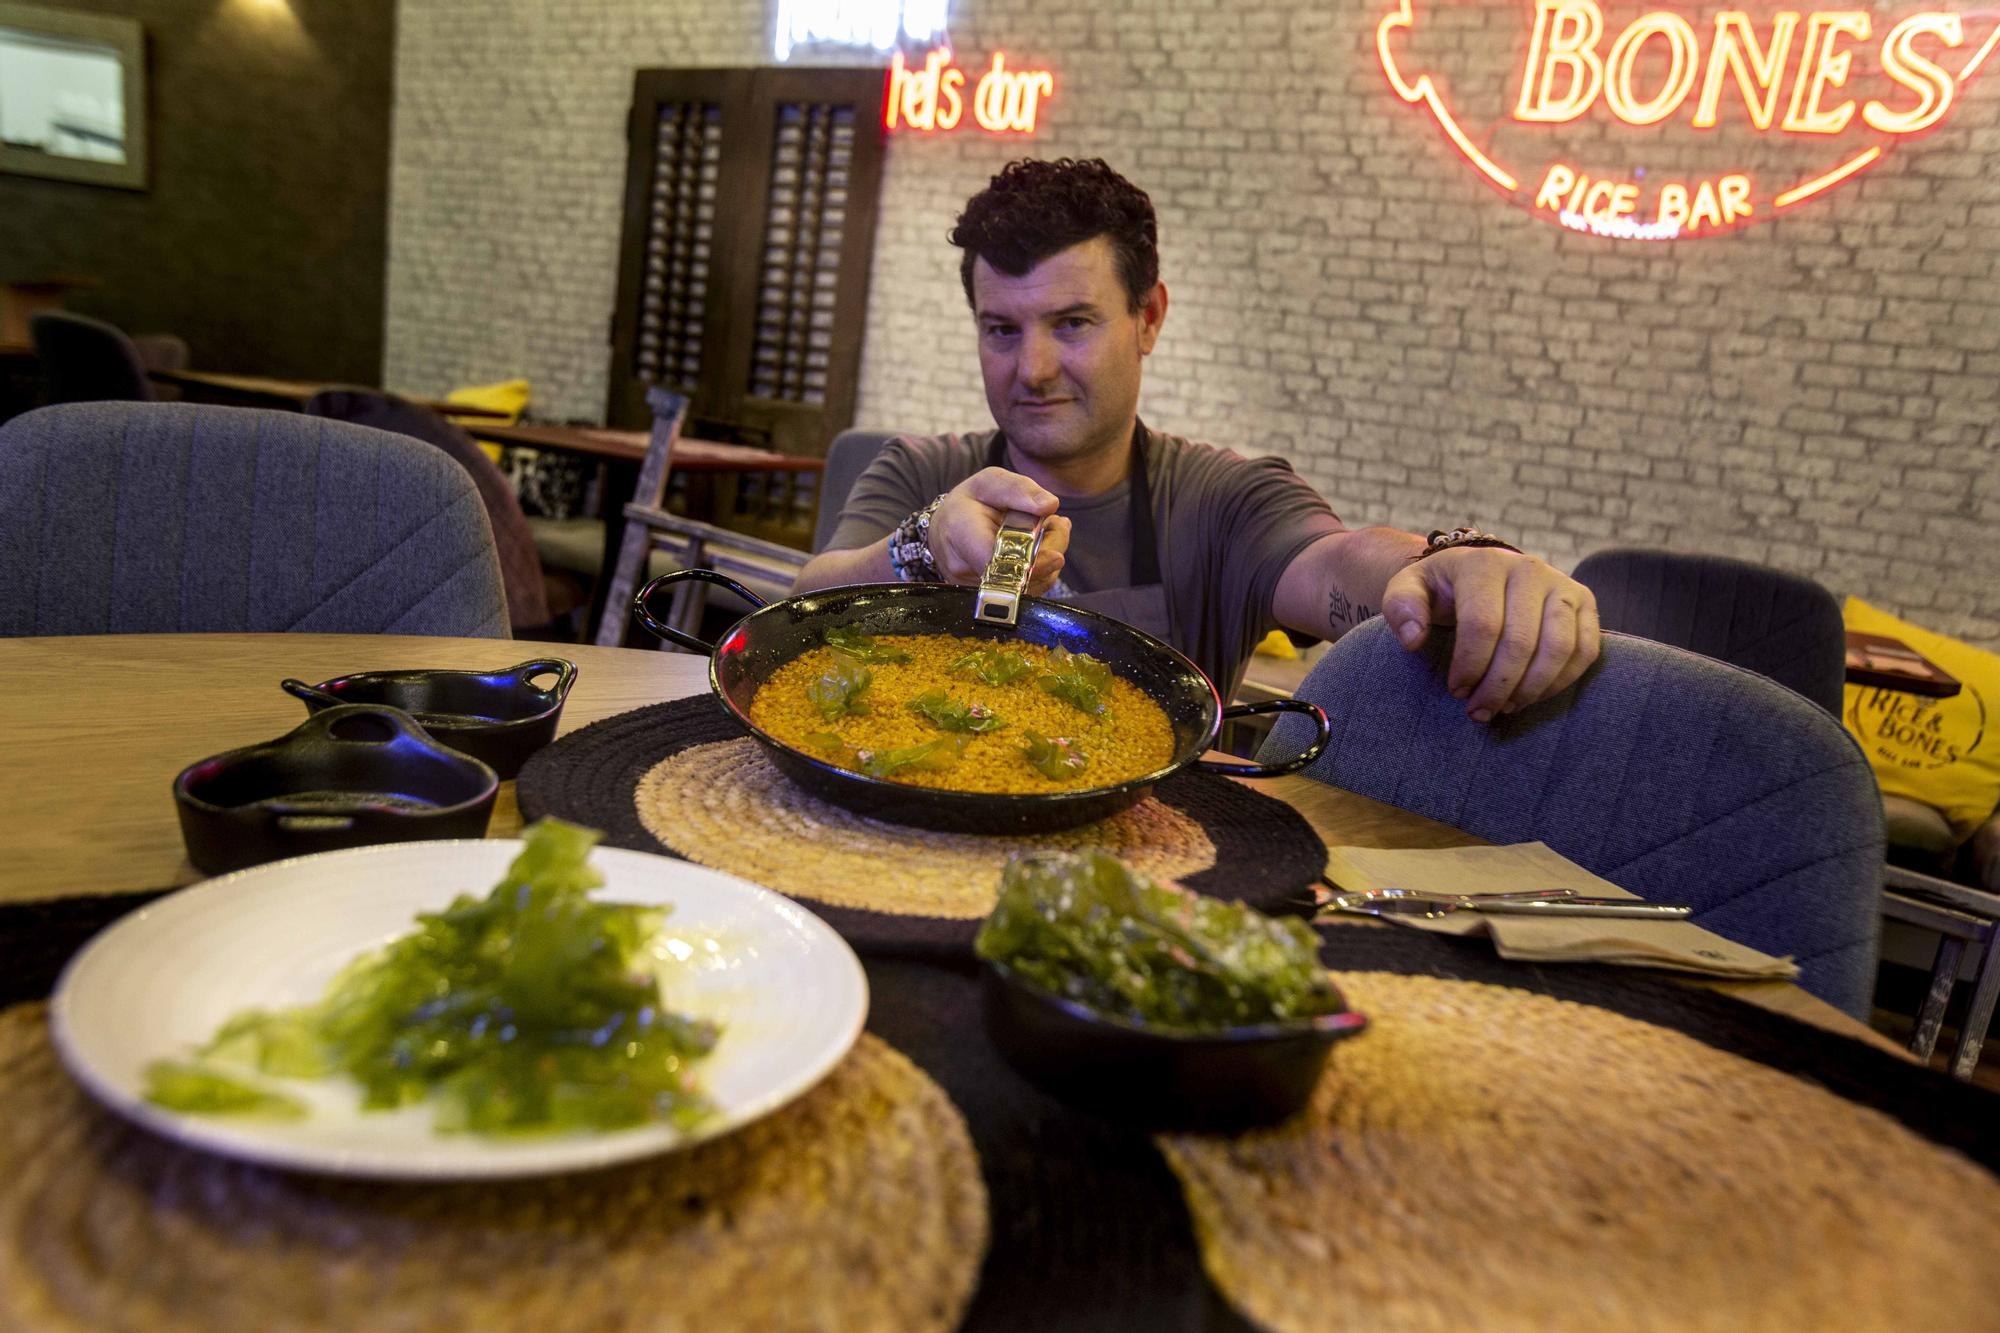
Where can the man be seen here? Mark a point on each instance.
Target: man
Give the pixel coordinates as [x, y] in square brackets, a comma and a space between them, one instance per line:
[1196, 545]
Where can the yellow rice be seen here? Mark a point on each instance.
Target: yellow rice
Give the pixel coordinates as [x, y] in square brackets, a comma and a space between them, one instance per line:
[1132, 737]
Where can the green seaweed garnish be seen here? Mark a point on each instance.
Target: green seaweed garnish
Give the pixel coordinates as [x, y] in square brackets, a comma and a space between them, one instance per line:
[862, 647]
[934, 755]
[1084, 926]
[947, 713]
[995, 666]
[1077, 680]
[1056, 757]
[836, 692]
[531, 1009]
[204, 1091]
[931, 756]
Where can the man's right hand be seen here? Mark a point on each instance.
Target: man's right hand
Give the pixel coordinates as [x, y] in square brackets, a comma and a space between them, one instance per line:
[968, 520]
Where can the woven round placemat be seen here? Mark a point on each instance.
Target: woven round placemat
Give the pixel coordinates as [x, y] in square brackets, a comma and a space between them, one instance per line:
[858, 1206]
[725, 805]
[683, 778]
[1643, 1178]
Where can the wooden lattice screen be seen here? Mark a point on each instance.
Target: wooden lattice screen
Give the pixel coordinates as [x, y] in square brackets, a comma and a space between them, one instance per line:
[749, 223]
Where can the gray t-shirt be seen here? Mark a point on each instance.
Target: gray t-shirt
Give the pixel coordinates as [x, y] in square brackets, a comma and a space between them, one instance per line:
[1227, 527]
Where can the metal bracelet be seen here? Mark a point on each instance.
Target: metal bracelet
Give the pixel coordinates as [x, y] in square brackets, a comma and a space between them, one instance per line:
[1441, 540]
[910, 547]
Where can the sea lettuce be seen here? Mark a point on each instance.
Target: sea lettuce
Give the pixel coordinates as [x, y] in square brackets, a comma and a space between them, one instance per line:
[994, 666]
[1077, 680]
[1086, 927]
[530, 1009]
[948, 714]
[1055, 757]
[836, 692]
[862, 647]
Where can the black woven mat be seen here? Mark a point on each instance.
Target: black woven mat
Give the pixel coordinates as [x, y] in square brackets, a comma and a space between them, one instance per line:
[1928, 1102]
[1089, 1229]
[1266, 853]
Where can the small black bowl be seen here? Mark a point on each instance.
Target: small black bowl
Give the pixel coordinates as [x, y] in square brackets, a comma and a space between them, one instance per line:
[345, 777]
[1160, 1078]
[500, 717]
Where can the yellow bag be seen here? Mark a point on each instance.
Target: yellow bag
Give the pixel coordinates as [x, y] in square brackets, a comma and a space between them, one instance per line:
[509, 396]
[1942, 752]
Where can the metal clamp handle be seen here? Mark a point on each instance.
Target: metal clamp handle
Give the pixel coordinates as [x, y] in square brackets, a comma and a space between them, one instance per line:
[1005, 581]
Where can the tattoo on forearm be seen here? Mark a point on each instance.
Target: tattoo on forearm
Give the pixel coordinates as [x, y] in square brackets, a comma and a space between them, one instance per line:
[1343, 615]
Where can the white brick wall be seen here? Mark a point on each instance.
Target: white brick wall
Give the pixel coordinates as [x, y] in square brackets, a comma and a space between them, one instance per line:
[1817, 393]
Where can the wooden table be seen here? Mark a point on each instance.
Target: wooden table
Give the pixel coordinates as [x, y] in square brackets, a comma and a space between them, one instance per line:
[97, 727]
[264, 391]
[629, 446]
[1889, 663]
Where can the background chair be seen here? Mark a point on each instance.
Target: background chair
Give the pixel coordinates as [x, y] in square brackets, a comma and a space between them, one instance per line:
[656, 541]
[846, 459]
[173, 517]
[1765, 620]
[1673, 775]
[1789, 628]
[536, 597]
[85, 360]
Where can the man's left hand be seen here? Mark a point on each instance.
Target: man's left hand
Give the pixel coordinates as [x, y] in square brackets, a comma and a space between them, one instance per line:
[1525, 629]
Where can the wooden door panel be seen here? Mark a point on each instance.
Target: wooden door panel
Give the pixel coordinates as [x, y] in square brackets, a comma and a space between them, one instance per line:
[780, 232]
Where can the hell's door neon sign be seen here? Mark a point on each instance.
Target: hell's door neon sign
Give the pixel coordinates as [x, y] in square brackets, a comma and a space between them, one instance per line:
[933, 96]
[1839, 86]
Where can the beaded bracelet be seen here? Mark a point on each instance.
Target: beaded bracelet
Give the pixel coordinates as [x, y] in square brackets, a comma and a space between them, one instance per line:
[1441, 540]
[910, 547]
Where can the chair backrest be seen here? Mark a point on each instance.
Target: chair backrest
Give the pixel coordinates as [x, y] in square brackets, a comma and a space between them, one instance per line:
[1777, 624]
[85, 360]
[174, 517]
[1675, 776]
[520, 564]
[846, 458]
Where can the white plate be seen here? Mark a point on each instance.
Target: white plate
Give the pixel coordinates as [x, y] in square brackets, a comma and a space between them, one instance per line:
[789, 993]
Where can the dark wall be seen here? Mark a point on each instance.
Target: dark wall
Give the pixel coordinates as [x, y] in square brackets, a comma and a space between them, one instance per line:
[261, 237]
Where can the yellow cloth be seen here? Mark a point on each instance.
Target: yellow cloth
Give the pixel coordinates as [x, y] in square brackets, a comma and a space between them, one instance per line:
[509, 396]
[1944, 753]
[1278, 644]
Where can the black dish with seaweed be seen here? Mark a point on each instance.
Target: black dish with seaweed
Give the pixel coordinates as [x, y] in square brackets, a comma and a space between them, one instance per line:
[1152, 1005]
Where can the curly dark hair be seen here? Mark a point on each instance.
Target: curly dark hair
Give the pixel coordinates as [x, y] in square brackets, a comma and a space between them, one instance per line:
[1034, 209]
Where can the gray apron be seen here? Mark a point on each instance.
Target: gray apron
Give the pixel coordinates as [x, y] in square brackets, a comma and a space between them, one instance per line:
[1143, 605]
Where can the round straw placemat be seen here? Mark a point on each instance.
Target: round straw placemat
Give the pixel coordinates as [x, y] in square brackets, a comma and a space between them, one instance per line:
[725, 805]
[683, 778]
[858, 1206]
[1489, 1157]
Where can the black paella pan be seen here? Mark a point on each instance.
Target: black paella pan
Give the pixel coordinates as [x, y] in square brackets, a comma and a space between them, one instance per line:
[775, 633]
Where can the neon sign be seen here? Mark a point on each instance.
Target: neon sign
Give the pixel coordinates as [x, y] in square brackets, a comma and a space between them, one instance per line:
[933, 97]
[878, 24]
[1610, 122]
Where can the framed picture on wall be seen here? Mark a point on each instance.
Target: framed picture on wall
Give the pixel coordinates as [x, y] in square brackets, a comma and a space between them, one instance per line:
[72, 96]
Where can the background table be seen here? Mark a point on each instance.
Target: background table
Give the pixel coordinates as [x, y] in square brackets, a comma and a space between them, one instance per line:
[265, 391]
[1877, 659]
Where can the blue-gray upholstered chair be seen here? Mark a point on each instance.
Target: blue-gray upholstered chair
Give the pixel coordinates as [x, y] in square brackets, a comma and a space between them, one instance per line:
[1675, 776]
[846, 459]
[173, 517]
[85, 360]
[535, 596]
[1777, 624]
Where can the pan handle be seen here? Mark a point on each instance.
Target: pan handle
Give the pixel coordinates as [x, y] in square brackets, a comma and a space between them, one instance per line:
[1323, 733]
[661, 629]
